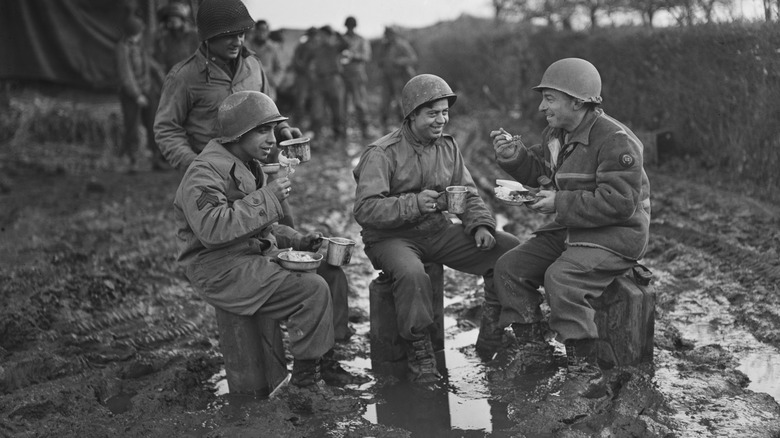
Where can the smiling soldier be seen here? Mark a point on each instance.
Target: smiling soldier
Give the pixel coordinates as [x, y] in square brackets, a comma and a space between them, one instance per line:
[398, 204]
[601, 207]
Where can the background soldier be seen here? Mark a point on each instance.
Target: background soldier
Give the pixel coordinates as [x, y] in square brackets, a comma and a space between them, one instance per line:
[397, 64]
[176, 39]
[268, 52]
[354, 59]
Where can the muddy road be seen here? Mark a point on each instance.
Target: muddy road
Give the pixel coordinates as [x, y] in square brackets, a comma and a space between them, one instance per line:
[101, 335]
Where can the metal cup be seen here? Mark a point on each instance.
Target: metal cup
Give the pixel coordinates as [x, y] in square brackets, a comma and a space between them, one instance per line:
[456, 199]
[297, 148]
[339, 251]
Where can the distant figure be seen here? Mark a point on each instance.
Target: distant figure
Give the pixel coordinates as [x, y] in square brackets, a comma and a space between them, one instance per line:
[328, 84]
[302, 68]
[176, 39]
[139, 93]
[354, 59]
[397, 64]
[268, 52]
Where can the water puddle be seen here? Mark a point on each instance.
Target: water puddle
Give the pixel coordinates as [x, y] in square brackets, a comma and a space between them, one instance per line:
[708, 322]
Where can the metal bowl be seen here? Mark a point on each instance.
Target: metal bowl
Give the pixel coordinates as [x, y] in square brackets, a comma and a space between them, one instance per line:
[300, 260]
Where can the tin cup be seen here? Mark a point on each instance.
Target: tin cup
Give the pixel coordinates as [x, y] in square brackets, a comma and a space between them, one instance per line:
[297, 148]
[456, 199]
[339, 251]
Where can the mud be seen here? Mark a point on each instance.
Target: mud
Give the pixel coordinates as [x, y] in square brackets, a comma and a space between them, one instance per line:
[101, 335]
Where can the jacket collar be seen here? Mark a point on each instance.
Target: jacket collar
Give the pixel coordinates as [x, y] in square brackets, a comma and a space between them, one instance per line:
[581, 134]
[416, 142]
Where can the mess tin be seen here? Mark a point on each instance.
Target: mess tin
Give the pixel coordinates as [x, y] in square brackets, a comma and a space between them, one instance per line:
[297, 148]
[339, 250]
[456, 199]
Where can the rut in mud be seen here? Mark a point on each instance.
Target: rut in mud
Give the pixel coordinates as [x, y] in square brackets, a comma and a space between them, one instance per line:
[102, 335]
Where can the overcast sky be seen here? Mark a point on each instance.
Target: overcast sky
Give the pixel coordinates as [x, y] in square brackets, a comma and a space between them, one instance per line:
[372, 15]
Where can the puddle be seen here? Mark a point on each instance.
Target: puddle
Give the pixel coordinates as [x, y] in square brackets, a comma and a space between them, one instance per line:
[120, 403]
[708, 321]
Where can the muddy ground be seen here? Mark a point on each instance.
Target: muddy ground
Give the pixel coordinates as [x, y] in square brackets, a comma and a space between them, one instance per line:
[101, 335]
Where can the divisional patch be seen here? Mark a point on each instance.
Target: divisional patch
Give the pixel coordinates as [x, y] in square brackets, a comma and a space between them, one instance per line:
[206, 199]
[626, 160]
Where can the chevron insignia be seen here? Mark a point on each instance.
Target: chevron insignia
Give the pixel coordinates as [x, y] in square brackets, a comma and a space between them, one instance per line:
[206, 199]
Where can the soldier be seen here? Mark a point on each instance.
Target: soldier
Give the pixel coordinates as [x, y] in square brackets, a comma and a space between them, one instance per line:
[176, 39]
[600, 199]
[398, 204]
[328, 84]
[187, 117]
[354, 59]
[302, 68]
[397, 64]
[228, 233]
[139, 79]
[268, 52]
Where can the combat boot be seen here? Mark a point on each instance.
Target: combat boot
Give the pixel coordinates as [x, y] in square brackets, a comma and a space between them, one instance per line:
[421, 361]
[308, 393]
[583, 374]
[535, 354]
[491, 334]
[335, 375]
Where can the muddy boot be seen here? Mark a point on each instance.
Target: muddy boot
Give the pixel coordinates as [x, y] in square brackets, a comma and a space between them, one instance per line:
[335, 375]
[583, 374]
[491, 334]
[421, 361]
[534, 354]
[308, 393]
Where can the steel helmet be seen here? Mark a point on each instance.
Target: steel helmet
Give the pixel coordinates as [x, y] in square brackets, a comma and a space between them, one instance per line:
[173, 9]
[222, 17]
[575, 77]
[243, 111]
[422, 89]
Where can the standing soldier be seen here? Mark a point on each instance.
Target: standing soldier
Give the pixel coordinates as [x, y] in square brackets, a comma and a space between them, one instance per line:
[139, 79]
[328, 84]
[397, 63]
[354, 58]
[600, 205]
[175, 40]
[268, 52]
[301, 67]
[398, 204]
[187, 117]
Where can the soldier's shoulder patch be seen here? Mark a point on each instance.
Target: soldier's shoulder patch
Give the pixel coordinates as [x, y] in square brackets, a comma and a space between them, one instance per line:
[626, 160]
[206, 199]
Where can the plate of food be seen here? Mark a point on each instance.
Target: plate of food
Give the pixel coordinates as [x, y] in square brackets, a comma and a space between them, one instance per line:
[514, 197]
[511, 185]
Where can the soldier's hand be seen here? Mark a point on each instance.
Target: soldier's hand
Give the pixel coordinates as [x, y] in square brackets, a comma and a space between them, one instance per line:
[504, 143]
[484, 239]
[289, 133]
[142, 101]
[280, 188]
[426, 201]
[311, 241]
[545, 202]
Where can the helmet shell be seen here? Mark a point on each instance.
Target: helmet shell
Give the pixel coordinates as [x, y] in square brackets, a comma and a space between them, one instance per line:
[243, 111]
[574, 76]
[422, 89]
[222, 17]
[173, 9]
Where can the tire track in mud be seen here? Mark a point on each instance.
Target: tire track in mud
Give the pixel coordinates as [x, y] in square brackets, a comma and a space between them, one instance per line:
[757, 304]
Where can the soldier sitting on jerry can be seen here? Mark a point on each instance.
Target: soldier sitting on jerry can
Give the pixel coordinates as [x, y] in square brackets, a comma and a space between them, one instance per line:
[586, 258]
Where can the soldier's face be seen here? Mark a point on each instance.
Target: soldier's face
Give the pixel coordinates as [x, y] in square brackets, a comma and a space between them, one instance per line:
[226, 47]
[428, 123]
[256, 143]
[559, 109]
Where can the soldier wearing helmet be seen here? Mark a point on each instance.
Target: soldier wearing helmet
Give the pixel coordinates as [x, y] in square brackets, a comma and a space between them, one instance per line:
[399, 202]
[397, 63]
[599, 196]
[187, 116]
[227, 214]
[354, 58]
[175, 39]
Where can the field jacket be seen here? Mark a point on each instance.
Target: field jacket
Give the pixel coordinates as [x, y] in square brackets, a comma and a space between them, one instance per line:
[193, 90]
[394, 169]
[227, 230]
[603, 197]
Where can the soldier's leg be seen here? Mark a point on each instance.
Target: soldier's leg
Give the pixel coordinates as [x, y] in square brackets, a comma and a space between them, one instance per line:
[580, 273]
[339, 292]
